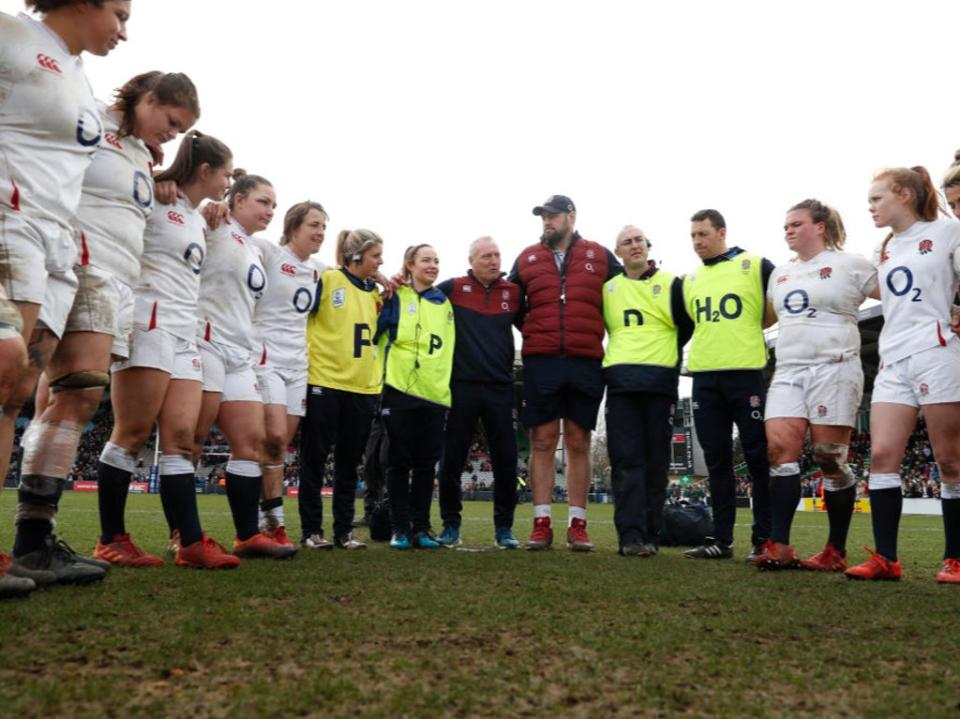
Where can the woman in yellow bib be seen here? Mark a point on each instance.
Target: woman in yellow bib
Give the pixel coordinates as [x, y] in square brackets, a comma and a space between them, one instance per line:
[344, 380]
[416, 327]
[647, 324]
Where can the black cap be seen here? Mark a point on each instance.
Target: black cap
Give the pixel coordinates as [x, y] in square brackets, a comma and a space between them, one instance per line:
[554, 205]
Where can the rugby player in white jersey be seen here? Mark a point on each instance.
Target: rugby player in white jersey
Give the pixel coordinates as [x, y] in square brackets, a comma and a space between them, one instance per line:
[918, 265]
[234, 279]
[280, 321]
[49, 130]
[117, 198]
[161, 381]
[818, 382]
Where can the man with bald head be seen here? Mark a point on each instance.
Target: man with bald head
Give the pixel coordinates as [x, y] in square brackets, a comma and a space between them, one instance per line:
[484, 308]
[647, 325]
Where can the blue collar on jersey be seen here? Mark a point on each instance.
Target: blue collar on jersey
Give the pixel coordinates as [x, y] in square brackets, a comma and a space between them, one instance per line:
[728, 255]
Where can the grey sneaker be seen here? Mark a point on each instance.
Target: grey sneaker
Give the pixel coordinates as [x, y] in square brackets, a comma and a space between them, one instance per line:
[635, 549]
[11, 586]
[316, 541]
[349, 541]
[67, 566]
[41, 577]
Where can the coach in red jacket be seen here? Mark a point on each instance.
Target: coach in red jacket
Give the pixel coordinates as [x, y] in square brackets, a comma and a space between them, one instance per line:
[562, 280]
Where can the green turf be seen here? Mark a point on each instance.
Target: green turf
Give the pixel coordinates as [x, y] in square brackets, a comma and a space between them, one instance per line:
[445, 633]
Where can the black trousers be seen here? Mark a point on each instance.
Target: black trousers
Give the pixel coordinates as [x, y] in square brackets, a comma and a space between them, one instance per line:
[415, 438]
[639, 431]
[720, 400]
[339, 418]
[492, 404]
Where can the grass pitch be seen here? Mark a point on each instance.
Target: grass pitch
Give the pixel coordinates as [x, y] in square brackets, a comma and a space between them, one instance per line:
[500, 634]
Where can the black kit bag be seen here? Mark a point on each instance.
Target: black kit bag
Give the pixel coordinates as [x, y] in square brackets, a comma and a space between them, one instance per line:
[685, 524]
[380, 521]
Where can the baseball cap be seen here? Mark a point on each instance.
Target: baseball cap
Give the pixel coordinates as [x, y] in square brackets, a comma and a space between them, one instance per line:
[554, 205]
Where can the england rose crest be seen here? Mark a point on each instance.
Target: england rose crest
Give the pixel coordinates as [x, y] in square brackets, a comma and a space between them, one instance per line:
[825, 273]
[925, 247]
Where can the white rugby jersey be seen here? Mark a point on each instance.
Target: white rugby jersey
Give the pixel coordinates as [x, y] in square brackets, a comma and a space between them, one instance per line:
[281, 314]
[918, 280]
[816, 302]
[116, 201]
[167, 292]
[49, 124]
[233, 281]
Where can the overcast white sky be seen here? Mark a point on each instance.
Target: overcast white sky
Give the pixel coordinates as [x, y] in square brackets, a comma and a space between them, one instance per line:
[442, 121]
[439, 122]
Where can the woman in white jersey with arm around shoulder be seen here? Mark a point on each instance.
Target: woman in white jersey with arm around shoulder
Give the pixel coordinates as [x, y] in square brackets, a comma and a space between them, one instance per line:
[918, 268]
[149, 110]
[280, 321]
[161, 380]
[818, 383]
[234, 279]
[49, 130]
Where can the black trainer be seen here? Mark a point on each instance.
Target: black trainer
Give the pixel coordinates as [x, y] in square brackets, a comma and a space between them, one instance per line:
[67, 566]
[710, 549]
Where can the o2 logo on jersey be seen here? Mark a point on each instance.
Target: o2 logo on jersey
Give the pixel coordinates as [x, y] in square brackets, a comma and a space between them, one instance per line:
[302, 300]
[797, 302]
[49, 64]
[193, 256]
[256, 280]
[730, 306]
[175, 218]
[143, 190]
[900, 287]
[826, 273]
[89, 129]
[288, 269]
[925, 247]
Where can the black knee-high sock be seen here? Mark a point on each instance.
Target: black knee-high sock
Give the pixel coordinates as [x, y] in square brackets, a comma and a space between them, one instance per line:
[784, 496]
[30, 535]
[32, 531]
[112, 487]
[243, 493]
[168, 503]
[951, 527]
[180, 505]
[885, 508]
[839, 511]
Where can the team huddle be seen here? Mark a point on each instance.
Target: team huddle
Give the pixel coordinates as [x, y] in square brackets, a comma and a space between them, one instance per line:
[157, 283]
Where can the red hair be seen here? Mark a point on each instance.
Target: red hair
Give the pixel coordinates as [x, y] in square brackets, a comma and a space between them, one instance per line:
[926, 201]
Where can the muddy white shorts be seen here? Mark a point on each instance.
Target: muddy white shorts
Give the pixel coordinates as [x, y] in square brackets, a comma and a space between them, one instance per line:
[103, 304]
[161, 350]
[36, 265]
[828, 394]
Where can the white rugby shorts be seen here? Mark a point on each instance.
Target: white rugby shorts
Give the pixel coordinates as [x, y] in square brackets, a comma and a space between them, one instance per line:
[284, 386]
[827, 394]
[229, 370]
[161, 350]
[931, 376]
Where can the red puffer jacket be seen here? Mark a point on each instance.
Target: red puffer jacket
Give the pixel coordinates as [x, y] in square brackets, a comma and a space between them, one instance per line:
[564, 307]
